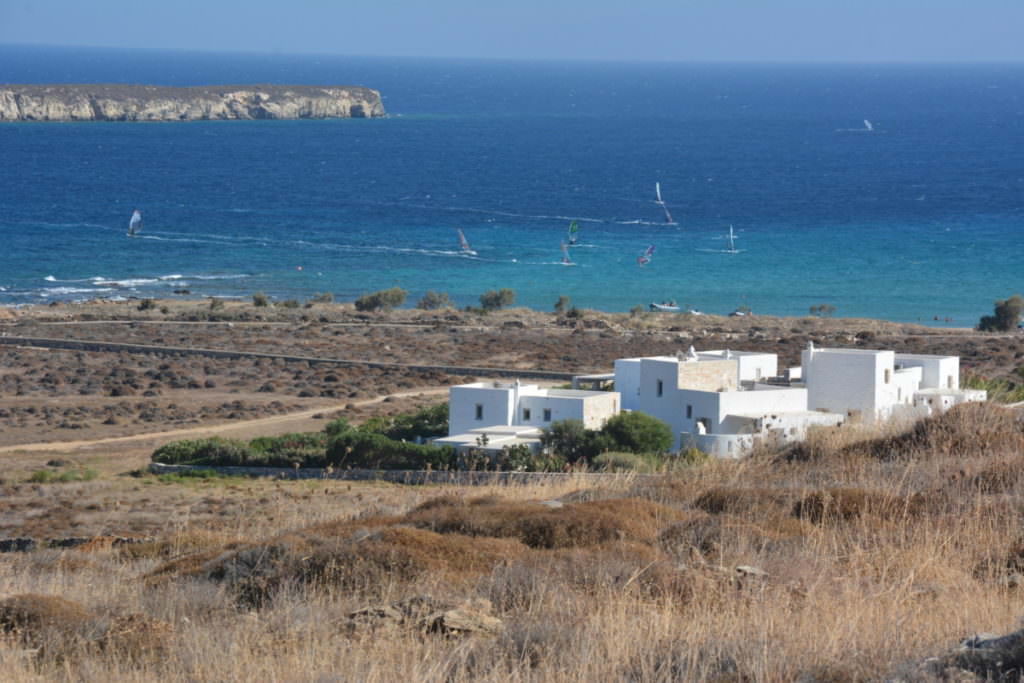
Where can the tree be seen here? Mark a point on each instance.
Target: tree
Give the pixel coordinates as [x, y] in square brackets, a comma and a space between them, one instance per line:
[571, 440]
[638, 433]
[384, 300]
[494, 300]
[1007, 315]
[434, 300]
[260, 300]
[562, 305]
[823, 310]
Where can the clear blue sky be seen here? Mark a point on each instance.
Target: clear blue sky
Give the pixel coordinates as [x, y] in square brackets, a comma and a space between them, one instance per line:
[689, 30]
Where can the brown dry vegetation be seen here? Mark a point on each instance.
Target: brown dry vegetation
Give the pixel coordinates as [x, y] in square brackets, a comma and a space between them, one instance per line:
[847, 563]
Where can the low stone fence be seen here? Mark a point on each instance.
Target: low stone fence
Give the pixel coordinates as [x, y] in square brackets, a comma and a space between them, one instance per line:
[417, 477]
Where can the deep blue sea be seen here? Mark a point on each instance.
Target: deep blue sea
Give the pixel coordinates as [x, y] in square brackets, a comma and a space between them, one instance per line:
[920, 217]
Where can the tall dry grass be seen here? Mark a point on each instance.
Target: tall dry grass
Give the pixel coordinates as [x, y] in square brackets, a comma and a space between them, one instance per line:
[878, 551]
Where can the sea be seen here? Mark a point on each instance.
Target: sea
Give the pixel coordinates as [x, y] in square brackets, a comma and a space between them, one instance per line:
[920, 219]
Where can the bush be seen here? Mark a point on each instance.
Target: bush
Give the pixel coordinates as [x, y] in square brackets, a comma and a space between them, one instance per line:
[425, 423]
[495, 300]
[216, 304]
[637, 311]
[384, 300]
[1006, 315]
[336, 427]
[822, 310]
[322, 298]
[308, 449]
[562, 305]
[260, 300]
[432, 301]
[571, 440]
[213, 452]
[147, 305]
[357, 448]
[521, 459]
[289, 303]
[49, 476]
[638, 433]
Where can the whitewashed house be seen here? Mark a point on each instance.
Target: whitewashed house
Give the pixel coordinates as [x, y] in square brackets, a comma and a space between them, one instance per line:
[872, 385]
[718, 401]
[722, 402]
[492, 415]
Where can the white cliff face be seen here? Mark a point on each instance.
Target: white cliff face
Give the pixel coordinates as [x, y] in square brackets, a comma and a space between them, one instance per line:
[152, 103]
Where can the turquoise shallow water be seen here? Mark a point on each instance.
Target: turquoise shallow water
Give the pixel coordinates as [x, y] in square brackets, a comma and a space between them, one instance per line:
[920, 218]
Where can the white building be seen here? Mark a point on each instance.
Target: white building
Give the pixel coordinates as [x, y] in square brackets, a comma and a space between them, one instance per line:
[718, 401]
[870, 385]
[722, 402]
[510, 413]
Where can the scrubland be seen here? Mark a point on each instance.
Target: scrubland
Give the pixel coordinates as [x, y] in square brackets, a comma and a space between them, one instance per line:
[856, 556]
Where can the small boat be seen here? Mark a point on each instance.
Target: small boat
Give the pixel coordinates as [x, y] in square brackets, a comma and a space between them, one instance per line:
[665, 307]
[566, 261]
[464, 244]
[646, 257]
[135, 224]
[574, 236]
[732, 243]
[661, 203]
[867, 126]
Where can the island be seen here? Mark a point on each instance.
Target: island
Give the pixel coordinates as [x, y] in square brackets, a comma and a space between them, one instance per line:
[116, 102]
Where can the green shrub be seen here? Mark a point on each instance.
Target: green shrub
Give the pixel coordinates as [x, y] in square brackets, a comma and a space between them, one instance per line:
[260, 300]
[307, 449]
[495, 300]
[637, 311]
[1006, 315]
[361, 449]
[289, 303]
[216, 304]
[147, 305]
[999, 390]
[637, 432]
[49, 476]
[521, 459]
[572, 441]
[384, 300]
[425, 423]
[432, 301]
[562, 305]
[336, 426]
[214, 451]
[322, 298]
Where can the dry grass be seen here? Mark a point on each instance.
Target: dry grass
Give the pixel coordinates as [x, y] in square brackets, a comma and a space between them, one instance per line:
[871, 563]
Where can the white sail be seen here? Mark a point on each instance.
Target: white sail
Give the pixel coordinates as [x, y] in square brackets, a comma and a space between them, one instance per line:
[464, 244]
[732, 243]
[135, 224]
[566, 261]
[661, 203]
[868, 126]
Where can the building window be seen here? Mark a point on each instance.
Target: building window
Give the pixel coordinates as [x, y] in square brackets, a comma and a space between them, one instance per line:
[526, 414]
[689, 412]
[949, 381]
[660, 387]
[547, 414]
[479, 411]
[888, 375]
[899, 394]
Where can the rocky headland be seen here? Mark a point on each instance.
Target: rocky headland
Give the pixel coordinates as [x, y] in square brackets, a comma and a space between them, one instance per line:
[114, 102]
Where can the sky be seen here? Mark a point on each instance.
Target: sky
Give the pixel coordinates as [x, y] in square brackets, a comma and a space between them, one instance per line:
[630, 30]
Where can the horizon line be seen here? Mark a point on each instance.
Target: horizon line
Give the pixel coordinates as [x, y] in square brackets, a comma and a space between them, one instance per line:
[571, 60]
